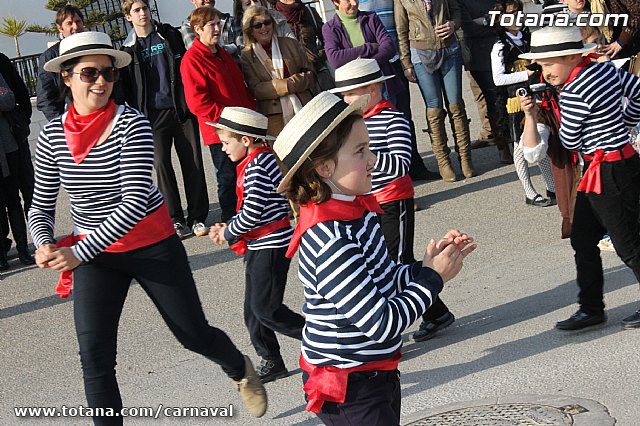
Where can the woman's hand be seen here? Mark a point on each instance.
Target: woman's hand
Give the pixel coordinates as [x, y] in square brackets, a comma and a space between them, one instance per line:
[611, 50]
[446, 256]
[410, 74]
[445, 30]
[529, 106]
[59, 259]
[216, 233]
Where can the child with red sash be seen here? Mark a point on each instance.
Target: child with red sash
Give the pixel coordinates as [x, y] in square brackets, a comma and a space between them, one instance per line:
[391, 185]
[102, 154]
[358, 301]
[260, 231]
[594, 124]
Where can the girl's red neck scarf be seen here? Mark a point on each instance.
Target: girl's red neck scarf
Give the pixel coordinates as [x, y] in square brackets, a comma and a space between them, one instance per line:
[377, 108]
[333, 209]
[82, 132]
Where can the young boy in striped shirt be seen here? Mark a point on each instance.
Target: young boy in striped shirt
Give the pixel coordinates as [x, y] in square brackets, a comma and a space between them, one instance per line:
[594, 124]
[260, 231]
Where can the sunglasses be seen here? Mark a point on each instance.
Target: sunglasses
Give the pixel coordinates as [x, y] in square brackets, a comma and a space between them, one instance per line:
[91, 74]
[259, 25]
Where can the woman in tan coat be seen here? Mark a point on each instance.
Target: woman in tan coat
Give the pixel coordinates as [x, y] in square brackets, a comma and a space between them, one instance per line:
[276, 69]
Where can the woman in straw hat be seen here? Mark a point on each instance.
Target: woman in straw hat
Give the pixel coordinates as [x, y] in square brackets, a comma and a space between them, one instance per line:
[276, 69]
[358, 301]
[102, 153]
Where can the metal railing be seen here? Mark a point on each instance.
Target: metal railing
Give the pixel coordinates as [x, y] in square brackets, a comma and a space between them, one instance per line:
[27, 67]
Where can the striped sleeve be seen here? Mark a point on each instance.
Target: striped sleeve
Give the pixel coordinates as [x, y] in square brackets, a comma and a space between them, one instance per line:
[631, 89]
[136, 167]
[45, 194]
[344, 280]
[574, 112]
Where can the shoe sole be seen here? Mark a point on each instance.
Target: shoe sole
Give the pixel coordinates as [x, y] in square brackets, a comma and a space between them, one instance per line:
[201, 234]
[440, 327]
[630, 326]
[581, 328]
[274, 377]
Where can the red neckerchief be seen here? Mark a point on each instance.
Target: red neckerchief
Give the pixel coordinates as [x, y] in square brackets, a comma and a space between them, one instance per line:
[83, 131]
[241, 169]
[312, 214]
[330, 383]
[153, 228]
[586, 61]
[377, 108]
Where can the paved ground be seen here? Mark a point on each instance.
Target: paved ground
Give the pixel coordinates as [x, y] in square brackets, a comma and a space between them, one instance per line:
[512, 290]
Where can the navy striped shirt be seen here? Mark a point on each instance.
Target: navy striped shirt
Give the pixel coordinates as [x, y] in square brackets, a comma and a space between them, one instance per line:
[591, 108]
[110, 191]
[358, 301]
[390, 141]
[261, 204]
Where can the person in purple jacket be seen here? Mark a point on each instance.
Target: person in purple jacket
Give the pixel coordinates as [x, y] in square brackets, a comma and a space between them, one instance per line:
[353, 34]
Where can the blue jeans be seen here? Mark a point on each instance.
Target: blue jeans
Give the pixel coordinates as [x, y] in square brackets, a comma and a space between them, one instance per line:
[444, 82]
[226, 178]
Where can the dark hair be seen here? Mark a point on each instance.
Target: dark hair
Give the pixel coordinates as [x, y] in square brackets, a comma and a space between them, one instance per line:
[202, 15]
[501, 6]
[126, 5]
[66, 11]
[306, 185]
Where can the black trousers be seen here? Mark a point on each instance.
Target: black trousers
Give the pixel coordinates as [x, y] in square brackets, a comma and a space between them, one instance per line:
[397, 225]
[614, 212]
[11, 212]
[264, 313]
[167, 131]
[373, 399]
[100, 289]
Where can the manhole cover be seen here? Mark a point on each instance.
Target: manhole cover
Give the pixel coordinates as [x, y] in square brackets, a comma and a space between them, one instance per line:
[501, 415]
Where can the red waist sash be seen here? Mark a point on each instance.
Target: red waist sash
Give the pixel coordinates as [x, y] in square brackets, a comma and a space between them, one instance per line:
[240, 247]
[153, 228]
[399, 189]
[330, 383]
[591, 180]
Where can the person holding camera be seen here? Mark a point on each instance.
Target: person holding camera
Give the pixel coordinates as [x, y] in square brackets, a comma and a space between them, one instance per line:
[509, 75]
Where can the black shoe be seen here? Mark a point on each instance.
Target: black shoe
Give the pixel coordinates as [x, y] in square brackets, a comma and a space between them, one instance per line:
[632, 321]
[538, 201]
[7, 244]
[4, 265]
[423, 174]
[269, 370]
[429, 328]
[25, 258]
[551, 195]
[580, 320]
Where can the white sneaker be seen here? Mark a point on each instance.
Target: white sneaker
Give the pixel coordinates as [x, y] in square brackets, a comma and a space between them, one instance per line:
[605, 244]
[199, 230]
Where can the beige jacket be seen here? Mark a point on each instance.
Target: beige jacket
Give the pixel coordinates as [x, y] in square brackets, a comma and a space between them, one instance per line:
[267, 90]
[415, 28]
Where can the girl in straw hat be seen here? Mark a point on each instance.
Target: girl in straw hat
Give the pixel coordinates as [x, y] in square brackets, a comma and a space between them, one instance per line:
[260, 231]
[102, 153]
[358, 301]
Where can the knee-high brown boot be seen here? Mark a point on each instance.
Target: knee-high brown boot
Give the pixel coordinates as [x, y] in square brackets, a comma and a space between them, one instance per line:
[435, 119]
[463, 140]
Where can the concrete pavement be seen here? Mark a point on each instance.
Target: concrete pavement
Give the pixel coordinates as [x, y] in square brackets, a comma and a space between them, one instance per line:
[512, 290]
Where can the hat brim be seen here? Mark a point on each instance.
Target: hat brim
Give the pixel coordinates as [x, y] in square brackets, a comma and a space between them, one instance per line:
[120, 59]
[358, 106]
[254, 135]
[363, 84]
[557, 53]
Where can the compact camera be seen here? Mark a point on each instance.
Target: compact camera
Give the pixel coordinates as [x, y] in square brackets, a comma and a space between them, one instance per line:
[533, 89]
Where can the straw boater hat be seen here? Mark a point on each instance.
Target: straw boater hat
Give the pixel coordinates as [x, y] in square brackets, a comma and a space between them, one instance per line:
[243, 121]
[550, 42]
[309, 127]
[87, 43]
[357, 73]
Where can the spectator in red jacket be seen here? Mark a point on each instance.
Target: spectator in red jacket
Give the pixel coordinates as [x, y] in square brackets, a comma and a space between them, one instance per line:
[212, 80]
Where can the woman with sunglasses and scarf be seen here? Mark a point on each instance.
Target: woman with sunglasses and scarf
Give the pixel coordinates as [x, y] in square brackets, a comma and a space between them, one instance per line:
[102, 153]
[275, 68]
